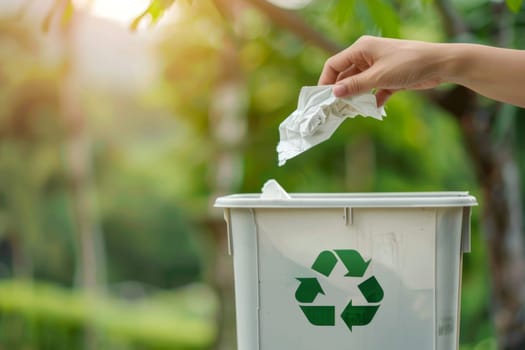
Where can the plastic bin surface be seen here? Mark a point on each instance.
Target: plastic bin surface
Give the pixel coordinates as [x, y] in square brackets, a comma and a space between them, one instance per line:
[348, 271]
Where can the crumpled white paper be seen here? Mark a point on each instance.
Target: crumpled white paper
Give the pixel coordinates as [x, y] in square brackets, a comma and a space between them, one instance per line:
[319, 113]
[273, 190]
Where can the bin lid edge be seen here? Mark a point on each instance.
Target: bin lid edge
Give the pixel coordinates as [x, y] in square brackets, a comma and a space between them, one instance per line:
[355, 200]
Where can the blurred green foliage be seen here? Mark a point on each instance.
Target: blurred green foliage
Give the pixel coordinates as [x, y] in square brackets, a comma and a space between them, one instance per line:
[50, 317]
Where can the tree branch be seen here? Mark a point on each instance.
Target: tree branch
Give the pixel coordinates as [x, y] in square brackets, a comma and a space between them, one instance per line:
[295, 24]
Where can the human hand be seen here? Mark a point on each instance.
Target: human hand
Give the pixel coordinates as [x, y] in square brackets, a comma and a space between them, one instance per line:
[387, 65]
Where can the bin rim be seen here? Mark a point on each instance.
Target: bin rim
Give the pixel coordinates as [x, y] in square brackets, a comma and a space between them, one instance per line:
[351, 200]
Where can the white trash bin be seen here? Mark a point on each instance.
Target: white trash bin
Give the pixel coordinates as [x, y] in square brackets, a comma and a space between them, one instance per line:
[359, 271]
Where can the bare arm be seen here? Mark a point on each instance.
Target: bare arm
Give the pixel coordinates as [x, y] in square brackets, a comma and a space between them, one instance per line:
[493, 72]
[390, 65]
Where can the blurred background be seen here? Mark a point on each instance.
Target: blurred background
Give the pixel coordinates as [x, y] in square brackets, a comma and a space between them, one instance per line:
[121, 121]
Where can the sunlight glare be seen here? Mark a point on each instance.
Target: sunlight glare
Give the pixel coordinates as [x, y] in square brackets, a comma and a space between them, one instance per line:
[124, 11]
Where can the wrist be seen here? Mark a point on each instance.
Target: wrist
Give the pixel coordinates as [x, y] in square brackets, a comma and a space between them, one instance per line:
[457, 63]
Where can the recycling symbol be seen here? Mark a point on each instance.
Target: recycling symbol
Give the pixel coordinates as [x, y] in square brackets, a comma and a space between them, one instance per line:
[352, 315]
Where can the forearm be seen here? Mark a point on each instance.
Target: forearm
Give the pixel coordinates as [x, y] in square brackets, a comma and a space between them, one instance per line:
[493, 72]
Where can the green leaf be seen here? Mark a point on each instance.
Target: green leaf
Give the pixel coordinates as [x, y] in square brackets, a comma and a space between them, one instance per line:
[514, 5]
[155, 10]
[135, 23]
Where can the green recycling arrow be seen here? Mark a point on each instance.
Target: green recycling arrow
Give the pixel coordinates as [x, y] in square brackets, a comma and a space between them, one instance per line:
[320, 315]
[353, 261]
[358, 315]
[325, 263]
[371, 290]
[308, 290]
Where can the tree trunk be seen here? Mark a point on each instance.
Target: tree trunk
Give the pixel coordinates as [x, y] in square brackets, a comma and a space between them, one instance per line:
[502, 225]
[497, 172]
[91, 265]
[78, 162]
[502, 219]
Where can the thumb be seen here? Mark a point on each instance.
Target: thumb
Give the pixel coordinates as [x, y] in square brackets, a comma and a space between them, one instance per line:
[354, 85]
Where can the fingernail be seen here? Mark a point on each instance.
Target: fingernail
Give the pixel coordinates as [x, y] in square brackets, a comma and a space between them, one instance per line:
[340, 90]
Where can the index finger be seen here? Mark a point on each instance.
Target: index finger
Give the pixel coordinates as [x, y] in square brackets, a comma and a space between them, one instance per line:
[334, 66]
